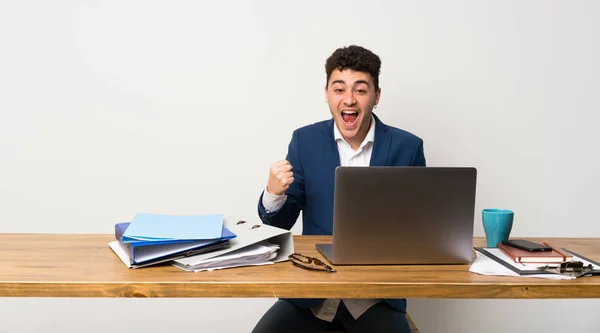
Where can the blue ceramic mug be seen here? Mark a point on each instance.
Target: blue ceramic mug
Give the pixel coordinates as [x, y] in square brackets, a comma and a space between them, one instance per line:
[497, 224]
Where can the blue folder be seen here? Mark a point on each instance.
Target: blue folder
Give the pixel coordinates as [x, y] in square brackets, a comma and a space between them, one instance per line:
[145, 252]
[156, 227]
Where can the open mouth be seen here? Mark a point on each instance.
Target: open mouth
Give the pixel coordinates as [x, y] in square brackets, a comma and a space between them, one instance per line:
[349, 117]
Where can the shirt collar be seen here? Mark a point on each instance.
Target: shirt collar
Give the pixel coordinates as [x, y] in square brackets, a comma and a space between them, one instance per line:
[369, 138]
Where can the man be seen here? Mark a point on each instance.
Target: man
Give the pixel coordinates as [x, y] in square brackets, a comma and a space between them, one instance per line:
[305, 181]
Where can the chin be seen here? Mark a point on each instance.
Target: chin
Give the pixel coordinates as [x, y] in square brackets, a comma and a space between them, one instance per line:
[350, 133]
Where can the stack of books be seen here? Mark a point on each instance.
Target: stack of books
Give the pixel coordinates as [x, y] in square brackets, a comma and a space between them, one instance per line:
[555, 255]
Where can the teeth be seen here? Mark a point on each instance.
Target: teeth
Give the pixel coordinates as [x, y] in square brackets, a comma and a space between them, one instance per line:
[349, 112]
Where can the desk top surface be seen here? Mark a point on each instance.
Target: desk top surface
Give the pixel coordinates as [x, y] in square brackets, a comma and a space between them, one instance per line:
[75, 265]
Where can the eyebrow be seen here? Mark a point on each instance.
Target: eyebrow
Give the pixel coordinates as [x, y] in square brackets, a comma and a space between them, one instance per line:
[355, 83]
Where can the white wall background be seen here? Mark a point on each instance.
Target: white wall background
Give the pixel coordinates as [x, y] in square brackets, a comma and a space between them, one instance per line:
[109, 108]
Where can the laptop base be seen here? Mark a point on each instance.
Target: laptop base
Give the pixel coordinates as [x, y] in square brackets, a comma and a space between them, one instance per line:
[327, 251]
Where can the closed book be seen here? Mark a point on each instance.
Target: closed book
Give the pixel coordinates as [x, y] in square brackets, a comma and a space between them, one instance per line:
[543, 257]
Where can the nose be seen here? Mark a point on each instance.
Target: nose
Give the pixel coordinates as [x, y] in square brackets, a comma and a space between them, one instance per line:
[349, 99]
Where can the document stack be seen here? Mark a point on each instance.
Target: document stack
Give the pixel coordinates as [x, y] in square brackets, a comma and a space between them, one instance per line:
[199, 243]
[252, 255]
[558, 264]
[151, 239]
[255, 244]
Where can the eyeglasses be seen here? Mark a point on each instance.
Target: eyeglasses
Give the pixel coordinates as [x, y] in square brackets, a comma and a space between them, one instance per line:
[310, 263]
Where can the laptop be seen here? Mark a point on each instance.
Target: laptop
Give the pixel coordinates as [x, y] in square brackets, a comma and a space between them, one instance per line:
[402, 215]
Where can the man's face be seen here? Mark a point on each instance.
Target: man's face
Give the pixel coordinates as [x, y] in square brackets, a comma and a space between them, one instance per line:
[351, 96]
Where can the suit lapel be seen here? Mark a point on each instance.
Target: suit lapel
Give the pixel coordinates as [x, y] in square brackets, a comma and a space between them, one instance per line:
[381, 144]
[331, 155]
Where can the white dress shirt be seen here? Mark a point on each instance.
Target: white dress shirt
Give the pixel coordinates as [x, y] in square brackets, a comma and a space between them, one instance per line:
[348, 157]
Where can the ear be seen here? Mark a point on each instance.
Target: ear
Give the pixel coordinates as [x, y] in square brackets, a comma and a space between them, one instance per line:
[326, 97]
[377, 95]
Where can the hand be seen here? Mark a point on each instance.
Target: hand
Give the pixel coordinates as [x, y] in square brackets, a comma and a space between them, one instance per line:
[280, 177]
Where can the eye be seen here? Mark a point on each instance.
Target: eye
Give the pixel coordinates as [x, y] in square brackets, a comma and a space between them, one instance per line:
[361, 91]
[339, 91]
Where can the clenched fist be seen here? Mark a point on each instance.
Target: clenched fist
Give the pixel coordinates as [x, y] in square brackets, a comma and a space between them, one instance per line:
[280, 177]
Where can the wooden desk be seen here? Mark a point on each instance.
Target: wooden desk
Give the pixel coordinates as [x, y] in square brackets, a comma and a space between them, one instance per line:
[47, 265]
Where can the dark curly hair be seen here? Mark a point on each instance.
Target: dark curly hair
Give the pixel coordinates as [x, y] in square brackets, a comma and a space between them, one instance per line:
[356, 58]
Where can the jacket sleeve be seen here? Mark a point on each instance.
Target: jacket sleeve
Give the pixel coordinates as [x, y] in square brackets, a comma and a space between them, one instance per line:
[287, 215]
[419, 155]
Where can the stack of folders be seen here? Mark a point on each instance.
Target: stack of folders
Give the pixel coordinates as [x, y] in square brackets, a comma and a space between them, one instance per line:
[255, 244]
[150, 239]
[199, 243]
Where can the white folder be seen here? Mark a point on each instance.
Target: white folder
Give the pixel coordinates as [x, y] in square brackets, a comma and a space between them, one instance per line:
[248, 232]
